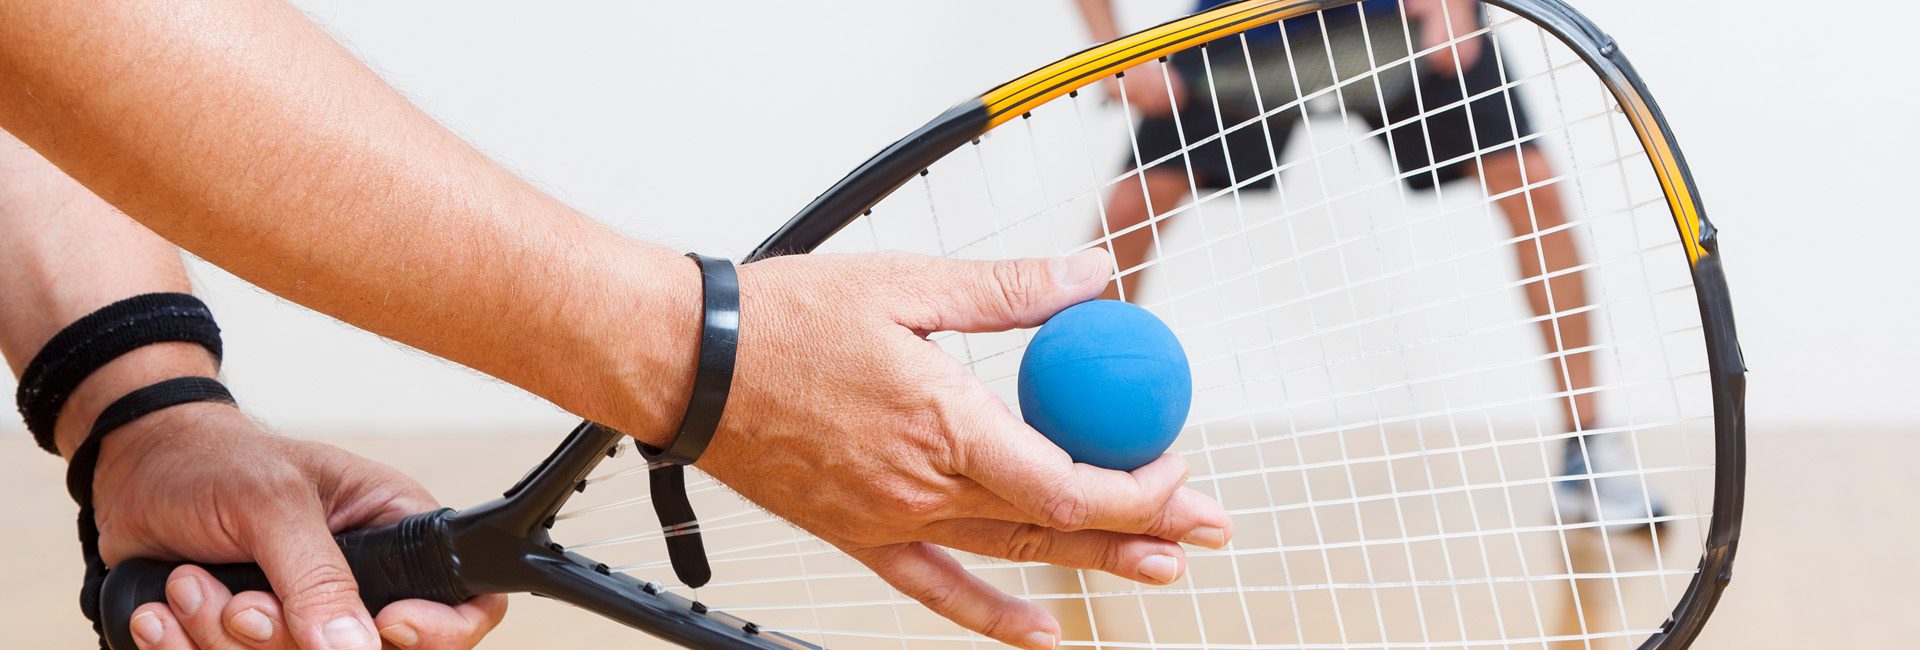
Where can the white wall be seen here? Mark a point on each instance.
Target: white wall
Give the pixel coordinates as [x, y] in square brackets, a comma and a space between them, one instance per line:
[704, 128]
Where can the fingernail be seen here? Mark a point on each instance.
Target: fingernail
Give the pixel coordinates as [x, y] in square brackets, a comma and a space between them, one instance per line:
[400, 634]
[1079, 268]
[1160, 568]
[147, 627]
[346, 632]
[1040, 641]
[185, 594]
[252, 624]
[1207, 536]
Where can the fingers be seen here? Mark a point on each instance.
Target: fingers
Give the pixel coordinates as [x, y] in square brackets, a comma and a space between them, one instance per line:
[1194, 518]
[1188, 517]
[201, 614]
[1154, 89]
[991, 296]
[1433, 33]
[1466, 53]
[929, 575]
[1020, 465]
[1461, 51]
[155, 628]
[1134, 557]
[256, 619]
[200, 603]
[315, 586]
[427, 625]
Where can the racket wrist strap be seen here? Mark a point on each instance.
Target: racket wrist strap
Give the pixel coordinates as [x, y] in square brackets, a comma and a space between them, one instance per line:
[713, 379]
[133, 406]
[97, 339]
[719, 339]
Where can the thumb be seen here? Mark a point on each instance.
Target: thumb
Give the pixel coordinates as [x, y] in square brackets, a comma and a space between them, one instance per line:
[315, 585]
[992, 296]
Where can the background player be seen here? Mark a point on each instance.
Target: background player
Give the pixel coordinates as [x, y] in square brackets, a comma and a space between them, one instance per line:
[1435, 137]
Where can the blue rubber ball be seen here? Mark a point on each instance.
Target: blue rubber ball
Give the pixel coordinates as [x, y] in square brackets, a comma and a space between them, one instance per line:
[1108, 382]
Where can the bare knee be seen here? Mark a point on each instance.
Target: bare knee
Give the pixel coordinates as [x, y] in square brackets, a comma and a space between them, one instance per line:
[1508, 171]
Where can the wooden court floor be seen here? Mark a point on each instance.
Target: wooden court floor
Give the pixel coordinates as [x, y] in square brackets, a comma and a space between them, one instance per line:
[1829, 557]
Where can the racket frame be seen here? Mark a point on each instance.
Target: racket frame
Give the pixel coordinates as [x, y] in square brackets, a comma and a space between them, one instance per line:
[860, 190]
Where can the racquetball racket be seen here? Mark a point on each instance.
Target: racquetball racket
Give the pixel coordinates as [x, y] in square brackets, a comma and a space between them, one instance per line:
[1465, 368]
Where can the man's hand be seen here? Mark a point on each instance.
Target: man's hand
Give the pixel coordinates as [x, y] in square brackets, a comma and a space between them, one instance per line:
[1444, 21]
[205, 482]
[845, 420]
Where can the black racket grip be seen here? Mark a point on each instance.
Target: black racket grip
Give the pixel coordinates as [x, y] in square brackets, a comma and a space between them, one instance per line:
[410, 558]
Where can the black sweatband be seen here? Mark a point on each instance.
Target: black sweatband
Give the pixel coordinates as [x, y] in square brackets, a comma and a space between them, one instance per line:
[719, 338]
[96, 340]
[133, 406]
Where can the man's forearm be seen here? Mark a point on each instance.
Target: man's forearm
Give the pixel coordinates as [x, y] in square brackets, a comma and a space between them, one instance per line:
[240, 131]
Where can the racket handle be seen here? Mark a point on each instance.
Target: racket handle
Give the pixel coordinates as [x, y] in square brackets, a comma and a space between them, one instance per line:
[410, 558]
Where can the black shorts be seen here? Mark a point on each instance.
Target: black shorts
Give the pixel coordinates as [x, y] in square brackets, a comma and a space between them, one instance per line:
[1461, 132]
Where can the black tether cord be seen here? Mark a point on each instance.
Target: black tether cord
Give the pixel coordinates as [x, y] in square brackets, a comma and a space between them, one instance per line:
[135, 405]
[719, 339]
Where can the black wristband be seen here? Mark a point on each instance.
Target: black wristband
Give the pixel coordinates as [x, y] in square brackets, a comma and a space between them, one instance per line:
[719, 339]
[96, 340]
[132, 406]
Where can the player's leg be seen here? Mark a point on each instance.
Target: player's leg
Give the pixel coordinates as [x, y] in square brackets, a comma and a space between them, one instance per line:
[1545, 253]
[1550, 263]
[1213, 141]
[1483, 140]
[1132, 203]
[1478, 140]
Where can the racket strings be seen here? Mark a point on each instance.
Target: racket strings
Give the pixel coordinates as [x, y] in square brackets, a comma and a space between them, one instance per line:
[1376, 405]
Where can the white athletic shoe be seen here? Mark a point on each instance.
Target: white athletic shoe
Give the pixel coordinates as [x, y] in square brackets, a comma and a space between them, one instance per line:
[1620, 502]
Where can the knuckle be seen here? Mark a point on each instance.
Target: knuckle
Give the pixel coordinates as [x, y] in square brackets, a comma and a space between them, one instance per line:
[1066, 511]
[895, 261]
[940, 597]
[1110, 558]
[1016, 287]
[322, 585]
[896, 270]
[1001, 624]
[913, 504]
[1162, 524]
[276, 482]
[1028, 544]
[947, 434]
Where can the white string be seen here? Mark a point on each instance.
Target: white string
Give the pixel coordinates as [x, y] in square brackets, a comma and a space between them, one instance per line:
[1266, 485]
[1206, 444]
[1146, 194]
